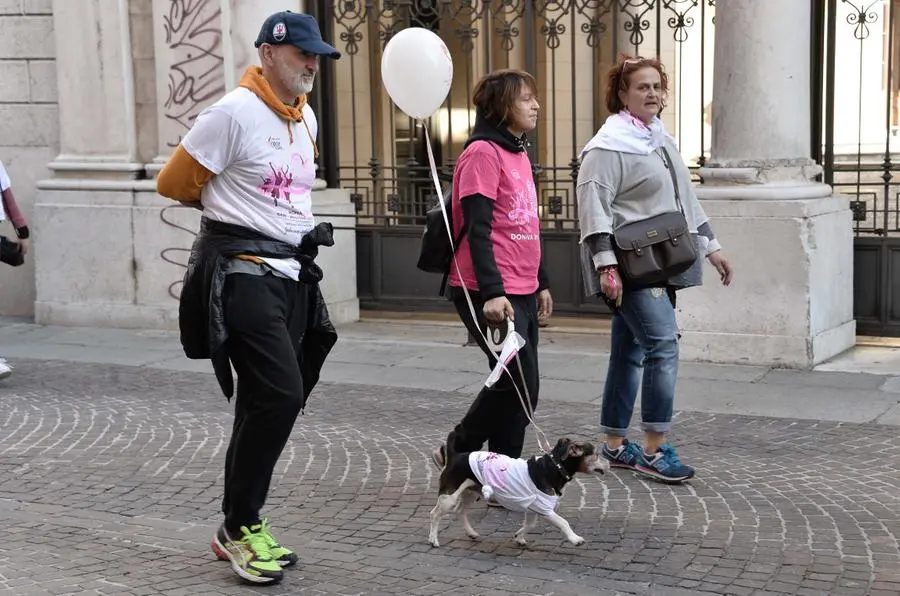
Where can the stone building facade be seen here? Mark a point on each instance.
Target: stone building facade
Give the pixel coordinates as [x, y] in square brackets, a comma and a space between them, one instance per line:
[98, 92]
[96, 95]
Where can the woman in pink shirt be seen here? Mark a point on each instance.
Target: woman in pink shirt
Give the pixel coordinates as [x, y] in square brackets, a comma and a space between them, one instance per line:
[499, 257]
[9, 209]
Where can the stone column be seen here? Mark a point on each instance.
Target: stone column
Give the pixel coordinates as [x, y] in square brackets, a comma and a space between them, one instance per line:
[761, 88]
[97, 135]
[97, 171]
[789, 238]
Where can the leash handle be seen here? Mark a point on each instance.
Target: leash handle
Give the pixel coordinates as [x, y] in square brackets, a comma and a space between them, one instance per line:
[497, 335]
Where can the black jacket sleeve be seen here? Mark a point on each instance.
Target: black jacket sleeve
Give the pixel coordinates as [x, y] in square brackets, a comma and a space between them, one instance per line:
[543, 280]
[478, 216]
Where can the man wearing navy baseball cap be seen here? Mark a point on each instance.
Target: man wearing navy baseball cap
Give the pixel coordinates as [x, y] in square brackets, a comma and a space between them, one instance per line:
[251, 298]
[298, 30]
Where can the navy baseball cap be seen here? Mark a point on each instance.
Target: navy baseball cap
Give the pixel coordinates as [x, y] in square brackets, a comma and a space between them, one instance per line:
[296, 29]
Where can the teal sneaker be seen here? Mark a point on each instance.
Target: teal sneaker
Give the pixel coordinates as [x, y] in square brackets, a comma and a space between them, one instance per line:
[628, 455]
[665, 466]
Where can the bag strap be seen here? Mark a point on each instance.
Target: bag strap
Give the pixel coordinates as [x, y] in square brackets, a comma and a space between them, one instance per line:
[671, 167]
[459, 238]
[462, 232]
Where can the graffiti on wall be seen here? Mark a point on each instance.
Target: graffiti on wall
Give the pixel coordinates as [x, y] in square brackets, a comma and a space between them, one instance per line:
[196, 72]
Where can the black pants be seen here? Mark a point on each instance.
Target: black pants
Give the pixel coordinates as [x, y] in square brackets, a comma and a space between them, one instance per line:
[265, 316]
[497, 415]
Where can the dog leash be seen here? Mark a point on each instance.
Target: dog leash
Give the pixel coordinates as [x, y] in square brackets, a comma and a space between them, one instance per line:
[526, 400]
[510, 327]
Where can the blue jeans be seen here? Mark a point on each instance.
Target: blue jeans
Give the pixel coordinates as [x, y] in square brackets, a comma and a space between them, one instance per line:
[644, 336]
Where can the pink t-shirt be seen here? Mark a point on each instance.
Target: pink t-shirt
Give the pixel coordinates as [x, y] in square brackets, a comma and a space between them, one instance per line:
[504, 177]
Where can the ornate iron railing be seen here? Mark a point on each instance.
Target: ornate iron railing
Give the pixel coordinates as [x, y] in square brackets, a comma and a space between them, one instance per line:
[378, 154]
[860, 98]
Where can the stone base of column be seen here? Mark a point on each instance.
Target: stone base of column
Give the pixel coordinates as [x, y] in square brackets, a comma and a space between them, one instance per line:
[111, 316]
[127, 257]
[791, 302]
[95, 167]
[153, 168]
[338, 261]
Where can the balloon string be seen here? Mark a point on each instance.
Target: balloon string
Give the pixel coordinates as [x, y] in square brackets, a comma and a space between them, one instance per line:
[525, 402]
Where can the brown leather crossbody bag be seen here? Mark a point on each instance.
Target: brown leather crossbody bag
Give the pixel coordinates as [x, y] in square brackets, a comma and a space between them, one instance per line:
[657, 248]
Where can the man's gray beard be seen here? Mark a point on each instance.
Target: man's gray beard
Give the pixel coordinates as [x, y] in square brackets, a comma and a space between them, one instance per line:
[298, 86]
[295, 85]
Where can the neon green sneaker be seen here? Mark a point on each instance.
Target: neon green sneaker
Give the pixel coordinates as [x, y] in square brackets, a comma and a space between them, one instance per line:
[285, 556]
[250, 556]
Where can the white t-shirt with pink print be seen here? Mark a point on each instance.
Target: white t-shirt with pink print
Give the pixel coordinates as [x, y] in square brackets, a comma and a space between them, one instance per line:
[264, 169]
[511, 484]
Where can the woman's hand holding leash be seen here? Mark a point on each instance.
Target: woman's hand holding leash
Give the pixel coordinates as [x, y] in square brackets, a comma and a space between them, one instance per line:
[497, 309]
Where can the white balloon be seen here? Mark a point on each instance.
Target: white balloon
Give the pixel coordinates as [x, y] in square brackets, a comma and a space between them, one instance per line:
[417, 71]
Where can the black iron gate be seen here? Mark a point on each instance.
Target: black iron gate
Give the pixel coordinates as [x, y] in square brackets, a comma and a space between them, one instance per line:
[567, 44]
[860, 118]
[375, 152]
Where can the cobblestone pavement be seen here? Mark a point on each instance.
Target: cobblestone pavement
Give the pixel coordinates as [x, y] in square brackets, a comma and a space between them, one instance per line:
[110, 482]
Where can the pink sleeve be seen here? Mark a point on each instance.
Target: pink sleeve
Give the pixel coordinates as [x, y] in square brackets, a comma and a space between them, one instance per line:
[480, 171]
[12, 210]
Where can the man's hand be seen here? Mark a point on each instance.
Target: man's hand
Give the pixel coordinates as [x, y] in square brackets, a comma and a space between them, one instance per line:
[497, 309]
[23, 246]
[718, 260]
[544, 305]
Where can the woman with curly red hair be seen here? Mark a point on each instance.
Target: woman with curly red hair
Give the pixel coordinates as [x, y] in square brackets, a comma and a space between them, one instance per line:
[631, 171]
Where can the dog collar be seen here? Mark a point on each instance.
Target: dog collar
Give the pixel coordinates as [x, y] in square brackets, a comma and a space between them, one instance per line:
[559, 467]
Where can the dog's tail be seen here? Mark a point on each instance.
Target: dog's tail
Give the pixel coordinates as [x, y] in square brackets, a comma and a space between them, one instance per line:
[444, 454]
[439, 457]
[450, 451]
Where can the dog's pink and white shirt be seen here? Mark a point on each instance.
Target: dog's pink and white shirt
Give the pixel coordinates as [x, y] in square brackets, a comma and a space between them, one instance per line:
[511, 484]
